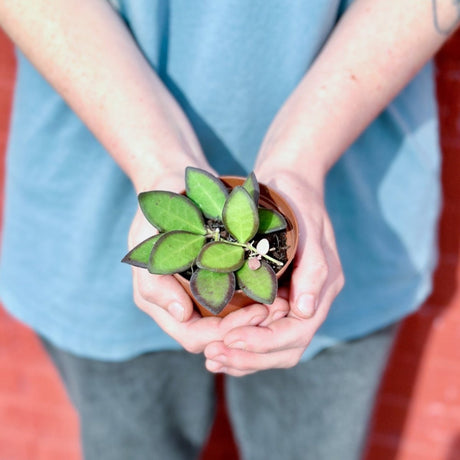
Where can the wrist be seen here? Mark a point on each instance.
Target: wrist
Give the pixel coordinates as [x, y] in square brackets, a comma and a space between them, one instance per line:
[158, 174]
[284, 180]
[166, 171]
[284, 169]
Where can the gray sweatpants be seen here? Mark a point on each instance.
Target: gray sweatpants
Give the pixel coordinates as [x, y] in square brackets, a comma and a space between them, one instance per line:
[161, 405]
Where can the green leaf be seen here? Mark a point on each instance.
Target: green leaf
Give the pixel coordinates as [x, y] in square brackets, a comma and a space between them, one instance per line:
[212, 290]
[240, 215]
[222, 257]
[252, 186]
[270, 221]
[260, 285]
[139, 255]
[206, 191]
[175, 252]
[169, 211]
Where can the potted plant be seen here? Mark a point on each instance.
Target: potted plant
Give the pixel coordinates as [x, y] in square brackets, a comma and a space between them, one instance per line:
[226, 240]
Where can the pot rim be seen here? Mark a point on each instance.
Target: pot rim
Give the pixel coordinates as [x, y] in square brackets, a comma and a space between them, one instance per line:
[275, 201]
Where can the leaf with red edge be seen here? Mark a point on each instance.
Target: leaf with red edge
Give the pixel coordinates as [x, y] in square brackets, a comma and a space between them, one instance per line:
[139, 255]
[212, 290]
[260, 285]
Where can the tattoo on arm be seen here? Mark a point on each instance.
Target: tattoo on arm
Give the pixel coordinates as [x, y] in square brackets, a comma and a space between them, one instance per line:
[445, 29]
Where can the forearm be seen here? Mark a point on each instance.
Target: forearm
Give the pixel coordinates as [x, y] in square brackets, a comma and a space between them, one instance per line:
[375, 50]
[85, 51]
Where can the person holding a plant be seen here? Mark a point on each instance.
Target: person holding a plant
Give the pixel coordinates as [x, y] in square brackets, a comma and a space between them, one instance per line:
[331, 103]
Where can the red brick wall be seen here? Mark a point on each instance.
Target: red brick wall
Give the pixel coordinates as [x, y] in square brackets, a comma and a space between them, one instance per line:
[36, 420]
[417, 414]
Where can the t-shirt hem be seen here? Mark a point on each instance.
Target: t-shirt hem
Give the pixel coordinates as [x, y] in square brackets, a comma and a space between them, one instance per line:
[67, 340]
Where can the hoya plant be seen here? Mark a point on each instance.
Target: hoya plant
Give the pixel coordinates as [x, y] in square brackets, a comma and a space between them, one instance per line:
[218, 238]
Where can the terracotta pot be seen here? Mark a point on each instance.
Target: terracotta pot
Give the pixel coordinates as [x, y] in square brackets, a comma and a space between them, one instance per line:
[271, 200]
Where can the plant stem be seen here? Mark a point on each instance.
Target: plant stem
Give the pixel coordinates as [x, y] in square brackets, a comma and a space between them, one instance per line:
[271, 259]
[215, 235]
[251, 248]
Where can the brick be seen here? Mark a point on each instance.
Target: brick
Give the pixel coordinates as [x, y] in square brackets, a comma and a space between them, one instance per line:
[27, 351]
[31, 385]
[47, 387]
[19, 344]
[390, 417]
[68, 449]
[451, 188]
[11, 379]
[40, 420]
[22, 445]
[44, 453]
[450, 50]
[445, 345]
[16, 449]
[449, 243]
[417, 445]
[400, 378]
[376, 451]
[445, 281]
[421, 453]
[412, 338]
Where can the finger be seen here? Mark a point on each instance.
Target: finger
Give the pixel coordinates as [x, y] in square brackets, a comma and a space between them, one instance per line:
[196, 333]
[217, 368]
[151, 291]
[193, 334]
[203, 331]
[251, 315]
[278, 309]
[219, 357]
[283, 334]
[309, 275]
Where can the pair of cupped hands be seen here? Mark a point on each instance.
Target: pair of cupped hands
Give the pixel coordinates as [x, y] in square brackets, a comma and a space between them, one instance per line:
[255, 337]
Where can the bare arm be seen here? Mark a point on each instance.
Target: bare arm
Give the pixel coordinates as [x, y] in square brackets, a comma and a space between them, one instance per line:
[85, 51]
[375, 50]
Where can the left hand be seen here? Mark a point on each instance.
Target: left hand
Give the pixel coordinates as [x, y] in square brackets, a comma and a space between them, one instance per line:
[316, 280]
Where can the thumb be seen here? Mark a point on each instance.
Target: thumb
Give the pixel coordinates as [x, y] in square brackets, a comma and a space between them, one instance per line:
[153, 291]
[308, 278]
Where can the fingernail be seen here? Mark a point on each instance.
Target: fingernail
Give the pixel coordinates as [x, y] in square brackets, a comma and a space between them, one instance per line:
[257, 320]
[177, 310]
[307, 304]
[239, 344]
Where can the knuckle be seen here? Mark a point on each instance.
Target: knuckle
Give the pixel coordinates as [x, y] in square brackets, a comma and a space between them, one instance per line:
[317, 270]
[144, 291]
[139, 300]
[321, 270]
[340, 281]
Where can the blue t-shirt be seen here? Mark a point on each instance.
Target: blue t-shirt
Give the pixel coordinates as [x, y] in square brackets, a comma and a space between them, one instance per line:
[231, 64]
